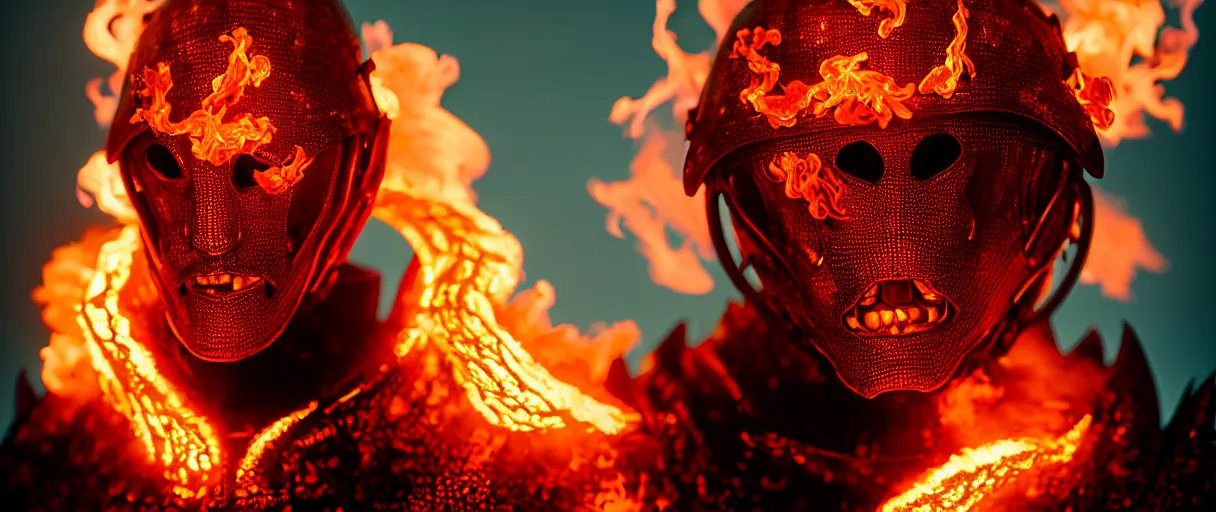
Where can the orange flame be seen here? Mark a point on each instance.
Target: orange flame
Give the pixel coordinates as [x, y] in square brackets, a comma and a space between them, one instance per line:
[650, 202]
[976, 474]
[279, 179]
[859, 97]
[943, 79]
[111, 31]
[896, 10]
[807, 178]
[1119, 247]
[1128, 42]
[468, 264]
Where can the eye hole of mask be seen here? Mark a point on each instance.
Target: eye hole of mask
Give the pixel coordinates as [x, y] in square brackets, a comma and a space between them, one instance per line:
[243, 169]
[861, 160]
[162, 162]
[933, 155]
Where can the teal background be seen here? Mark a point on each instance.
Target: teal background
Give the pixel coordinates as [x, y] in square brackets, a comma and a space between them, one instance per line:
[538, 79]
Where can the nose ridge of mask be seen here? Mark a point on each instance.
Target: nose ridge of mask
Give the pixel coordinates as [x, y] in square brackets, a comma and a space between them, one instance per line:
[215, 228]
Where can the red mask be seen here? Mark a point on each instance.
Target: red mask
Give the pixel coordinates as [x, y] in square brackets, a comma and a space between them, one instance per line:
[902, 235]
[252, 159]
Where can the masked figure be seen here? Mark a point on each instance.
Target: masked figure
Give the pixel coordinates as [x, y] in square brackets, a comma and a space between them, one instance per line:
[252, 149]
[903, 179]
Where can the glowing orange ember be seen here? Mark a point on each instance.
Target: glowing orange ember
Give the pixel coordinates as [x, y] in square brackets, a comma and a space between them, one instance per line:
[896, 11]
[943, 79]
[976, 474]
[173, 435]
[1095, 94]
[859, 97]
[807, 178]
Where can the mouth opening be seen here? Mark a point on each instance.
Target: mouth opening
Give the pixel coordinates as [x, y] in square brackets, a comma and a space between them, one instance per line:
[221, 284]
[898, 307]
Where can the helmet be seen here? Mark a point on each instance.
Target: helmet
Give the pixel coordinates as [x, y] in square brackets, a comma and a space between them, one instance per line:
[1017, 49]
[902, 178]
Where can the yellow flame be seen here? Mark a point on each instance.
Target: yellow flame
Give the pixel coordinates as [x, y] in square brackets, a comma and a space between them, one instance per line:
[897, 10]
[468, 264]
[173, 435]
[975, 474]
[944, 78]
[1127, 41]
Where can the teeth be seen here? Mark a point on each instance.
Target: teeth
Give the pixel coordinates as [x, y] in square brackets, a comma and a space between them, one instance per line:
[852, 321]
[894, 330]
[887, 316]
[872, 321]
[241, 282]
[237, 282]
[901, 315]
[932, 314]
[914, 314]
[868, 300]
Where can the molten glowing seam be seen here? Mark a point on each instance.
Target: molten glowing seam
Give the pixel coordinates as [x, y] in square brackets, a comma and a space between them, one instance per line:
[467, 262]
[269, 435]
[184, 443]
[212, 139]
[979, 473]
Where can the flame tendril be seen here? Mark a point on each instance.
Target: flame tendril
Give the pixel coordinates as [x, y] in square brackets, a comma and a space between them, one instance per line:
[807, 178]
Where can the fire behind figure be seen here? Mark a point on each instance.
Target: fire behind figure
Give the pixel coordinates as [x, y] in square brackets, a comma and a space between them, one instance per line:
[902, 178]
[217, 352]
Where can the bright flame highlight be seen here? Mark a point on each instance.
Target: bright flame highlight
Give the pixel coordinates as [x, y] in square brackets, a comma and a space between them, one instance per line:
[976, 474]
[1127, 41]
[896, 10]
[944, 78]
[468, 264]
